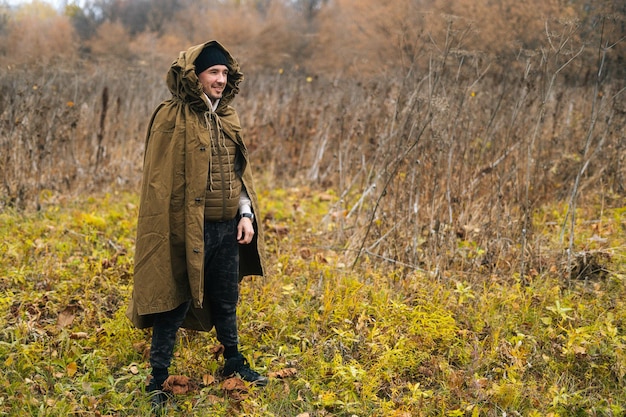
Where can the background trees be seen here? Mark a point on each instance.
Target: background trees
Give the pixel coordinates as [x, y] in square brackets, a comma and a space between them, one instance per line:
[344, 36]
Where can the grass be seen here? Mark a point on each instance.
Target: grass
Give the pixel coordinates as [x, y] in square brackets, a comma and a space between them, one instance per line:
[378, 339]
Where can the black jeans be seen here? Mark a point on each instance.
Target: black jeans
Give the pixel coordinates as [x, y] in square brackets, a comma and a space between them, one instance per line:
[221, 287]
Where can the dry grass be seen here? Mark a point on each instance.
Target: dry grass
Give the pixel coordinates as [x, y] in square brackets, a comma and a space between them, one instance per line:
[459, 149]
[375, 340]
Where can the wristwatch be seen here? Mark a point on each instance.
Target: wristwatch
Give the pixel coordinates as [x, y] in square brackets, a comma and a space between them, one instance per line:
[248, 215]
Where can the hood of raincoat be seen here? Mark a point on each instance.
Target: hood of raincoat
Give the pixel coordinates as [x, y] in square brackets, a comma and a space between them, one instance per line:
[169, 251]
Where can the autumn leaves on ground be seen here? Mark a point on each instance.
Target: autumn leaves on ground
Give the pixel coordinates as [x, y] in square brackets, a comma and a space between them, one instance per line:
[376, 340]
[443, 202]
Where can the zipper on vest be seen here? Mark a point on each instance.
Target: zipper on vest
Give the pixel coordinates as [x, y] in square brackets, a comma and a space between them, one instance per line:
[222, 175]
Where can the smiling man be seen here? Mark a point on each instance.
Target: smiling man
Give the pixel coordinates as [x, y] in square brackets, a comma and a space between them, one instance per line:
[214, 77]
[197, 233]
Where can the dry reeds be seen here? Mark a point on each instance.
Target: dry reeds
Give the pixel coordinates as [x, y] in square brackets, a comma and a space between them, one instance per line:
[441, 160]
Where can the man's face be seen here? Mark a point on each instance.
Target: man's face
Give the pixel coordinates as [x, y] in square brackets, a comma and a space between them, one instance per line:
[213, 80]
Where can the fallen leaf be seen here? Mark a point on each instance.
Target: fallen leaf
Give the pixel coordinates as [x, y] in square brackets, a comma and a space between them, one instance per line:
[213, 399]
[66, 317]
[79, 335]
[284, 373]
[217, 350]
[71, 369]
[208, 379]
[235, 388]
[233, 384]
[133, 368]
[178, 384]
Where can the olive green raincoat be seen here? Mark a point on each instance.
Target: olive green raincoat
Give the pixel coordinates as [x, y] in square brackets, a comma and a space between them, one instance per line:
[169, 266]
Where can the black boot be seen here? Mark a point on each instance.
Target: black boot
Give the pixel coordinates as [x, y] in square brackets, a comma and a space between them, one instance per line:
[238, 366]
[158, 398]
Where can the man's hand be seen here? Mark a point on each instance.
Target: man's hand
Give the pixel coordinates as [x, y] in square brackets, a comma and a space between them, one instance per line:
[245, 231]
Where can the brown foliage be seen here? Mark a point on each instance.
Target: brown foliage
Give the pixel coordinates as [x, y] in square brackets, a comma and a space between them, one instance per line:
[111, 40]
[284, 373]
[360, 39]
[38, 36]
[507, 26]
[236, 389]
[369, 36]
[433, 122]
[179, 385]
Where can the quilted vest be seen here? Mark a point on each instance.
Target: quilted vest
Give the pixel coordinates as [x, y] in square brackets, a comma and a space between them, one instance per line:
[224, 184]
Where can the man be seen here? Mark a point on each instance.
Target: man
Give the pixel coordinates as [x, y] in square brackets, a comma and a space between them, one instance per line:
[197, 234]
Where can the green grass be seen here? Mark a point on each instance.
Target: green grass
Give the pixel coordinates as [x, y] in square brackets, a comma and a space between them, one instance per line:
[374, 340]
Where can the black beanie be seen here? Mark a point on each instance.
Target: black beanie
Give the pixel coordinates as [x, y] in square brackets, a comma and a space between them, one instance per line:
[211, 55]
